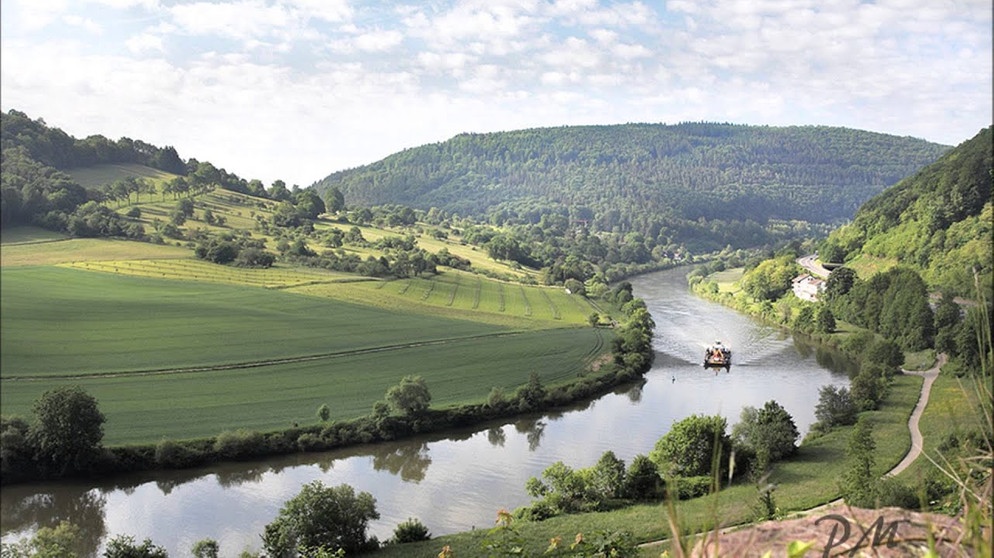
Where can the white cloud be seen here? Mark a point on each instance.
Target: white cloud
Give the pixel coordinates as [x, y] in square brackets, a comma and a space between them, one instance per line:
[84, 23]
[36, 14]
[328, 10]
[144, 42]
[378, 41]
[246, 19]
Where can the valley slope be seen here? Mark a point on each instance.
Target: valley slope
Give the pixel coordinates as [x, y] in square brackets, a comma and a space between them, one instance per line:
[663, 181]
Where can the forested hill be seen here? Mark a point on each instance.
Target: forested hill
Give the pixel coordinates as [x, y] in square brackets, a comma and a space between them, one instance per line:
[623, 177]
[938, 221]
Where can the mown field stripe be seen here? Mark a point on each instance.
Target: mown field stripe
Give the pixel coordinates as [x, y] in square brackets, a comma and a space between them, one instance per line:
[259, 363]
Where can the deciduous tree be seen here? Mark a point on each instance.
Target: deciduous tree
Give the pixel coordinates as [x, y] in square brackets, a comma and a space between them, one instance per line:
[68, 429]
[410, 396]
[320, 517]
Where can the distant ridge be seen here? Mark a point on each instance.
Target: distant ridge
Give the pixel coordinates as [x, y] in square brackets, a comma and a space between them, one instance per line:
[630, 177]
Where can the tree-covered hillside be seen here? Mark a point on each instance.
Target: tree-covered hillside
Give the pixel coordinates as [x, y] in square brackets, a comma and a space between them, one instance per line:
[937, 221]
[645, 178]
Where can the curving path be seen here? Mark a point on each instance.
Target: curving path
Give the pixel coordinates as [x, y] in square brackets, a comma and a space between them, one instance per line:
[813, 266]
[916, 436]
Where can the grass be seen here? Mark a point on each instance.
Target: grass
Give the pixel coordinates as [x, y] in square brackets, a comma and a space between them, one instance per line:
[951, 410]
[458, 294]
[98, 176]
[59, 321]
[106, 331]
[867, 266]
[204, 403]
[727, 280]
[28, 235]
[807, 480]
[84, 249]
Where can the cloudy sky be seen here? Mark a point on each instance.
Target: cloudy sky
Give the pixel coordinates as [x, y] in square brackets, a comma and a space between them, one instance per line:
[296, 89]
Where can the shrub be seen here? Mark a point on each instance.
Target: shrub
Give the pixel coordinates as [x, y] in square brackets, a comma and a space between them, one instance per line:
[691, 487]
[409, 531]
[237, 444]
[642, 480]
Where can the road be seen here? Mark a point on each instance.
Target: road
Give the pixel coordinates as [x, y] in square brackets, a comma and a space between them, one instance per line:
[811, 264]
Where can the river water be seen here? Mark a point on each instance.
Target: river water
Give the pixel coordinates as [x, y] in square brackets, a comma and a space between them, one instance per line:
[460, 480]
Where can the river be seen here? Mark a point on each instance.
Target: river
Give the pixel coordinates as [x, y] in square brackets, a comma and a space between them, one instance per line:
[457, 481]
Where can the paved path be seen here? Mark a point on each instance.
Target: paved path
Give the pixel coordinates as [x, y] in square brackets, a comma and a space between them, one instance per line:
[811, 264]
[916, 435]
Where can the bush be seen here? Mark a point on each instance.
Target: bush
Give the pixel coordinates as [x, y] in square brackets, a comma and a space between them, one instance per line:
[642, 480]
[690, 448]
[173, 455]
[124, 546]
[238, 444]
[409, 531]
[691, 487]
[893, 493]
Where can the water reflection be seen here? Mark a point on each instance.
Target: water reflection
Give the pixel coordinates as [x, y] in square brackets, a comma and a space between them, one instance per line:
[84, 508]
[533, 430]
[409, 461]
[496, 437]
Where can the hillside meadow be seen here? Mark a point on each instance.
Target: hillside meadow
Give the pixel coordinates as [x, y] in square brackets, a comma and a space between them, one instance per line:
[174, 347]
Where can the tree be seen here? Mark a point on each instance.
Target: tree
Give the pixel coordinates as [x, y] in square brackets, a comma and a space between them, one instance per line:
[885, 352]
[691, 446]
[124, 546]
[607, 477]
[835, 407]
[532, 394]
[839, 283]
[334, 200]
[68, 429]
[826, 320]
[858, 482]
[769, 431]
[16, 449]
[324, 413]
[206, 548]
[410, 396]
[47, 542]
[320, 517]
[642, 480]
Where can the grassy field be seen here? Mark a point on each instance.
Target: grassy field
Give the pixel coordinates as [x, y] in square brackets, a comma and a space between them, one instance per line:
[59, 321]
[143, 408]
[182, 348]
[99, 176]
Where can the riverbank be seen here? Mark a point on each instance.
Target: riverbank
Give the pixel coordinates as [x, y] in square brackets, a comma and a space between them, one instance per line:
[809, 479]
[628, 356]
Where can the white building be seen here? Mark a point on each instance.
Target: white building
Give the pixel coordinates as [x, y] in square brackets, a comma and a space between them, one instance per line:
[807, 287]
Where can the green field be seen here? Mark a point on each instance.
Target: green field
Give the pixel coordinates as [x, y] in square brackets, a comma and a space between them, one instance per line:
[99, 176]
[180, 348]
[148, 407]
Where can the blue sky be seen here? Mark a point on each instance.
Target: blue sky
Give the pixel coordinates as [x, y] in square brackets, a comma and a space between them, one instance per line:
[296, 89]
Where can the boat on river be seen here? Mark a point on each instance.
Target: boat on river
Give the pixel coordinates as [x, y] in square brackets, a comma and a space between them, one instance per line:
[717, 355]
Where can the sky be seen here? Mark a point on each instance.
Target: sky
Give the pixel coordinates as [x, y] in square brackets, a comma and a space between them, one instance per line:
[297, 89]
